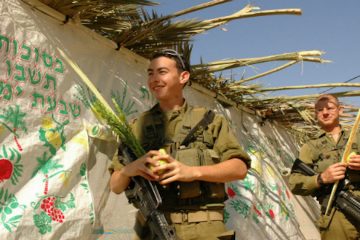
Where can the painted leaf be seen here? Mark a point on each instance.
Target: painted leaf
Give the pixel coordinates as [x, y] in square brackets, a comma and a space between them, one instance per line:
[42, 222]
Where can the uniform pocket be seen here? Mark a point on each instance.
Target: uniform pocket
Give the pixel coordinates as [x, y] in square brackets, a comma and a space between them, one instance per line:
[190, 157]
[211, 157]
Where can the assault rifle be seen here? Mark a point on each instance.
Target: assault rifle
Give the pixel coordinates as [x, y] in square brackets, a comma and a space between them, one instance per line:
[345, 201]
[146, 197]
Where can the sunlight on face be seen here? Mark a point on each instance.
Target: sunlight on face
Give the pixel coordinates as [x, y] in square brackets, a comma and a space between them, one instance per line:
[164, 79]
[327, 113]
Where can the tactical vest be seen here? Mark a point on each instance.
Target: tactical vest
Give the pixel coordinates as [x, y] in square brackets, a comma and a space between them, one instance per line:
[328, 154]
[183, 195]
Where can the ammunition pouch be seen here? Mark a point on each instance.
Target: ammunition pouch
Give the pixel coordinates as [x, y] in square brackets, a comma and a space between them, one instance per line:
[198, 157]
[213, 190]
[190, 157]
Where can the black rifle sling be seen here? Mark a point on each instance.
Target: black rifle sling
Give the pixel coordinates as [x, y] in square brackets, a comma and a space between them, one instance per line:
[198, 128]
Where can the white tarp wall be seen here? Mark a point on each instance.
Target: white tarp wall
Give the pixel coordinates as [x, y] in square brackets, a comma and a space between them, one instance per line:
[54, 156]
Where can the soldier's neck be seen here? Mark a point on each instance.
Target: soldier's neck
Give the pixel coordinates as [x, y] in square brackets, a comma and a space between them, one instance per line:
[172, 104]
[334, 132]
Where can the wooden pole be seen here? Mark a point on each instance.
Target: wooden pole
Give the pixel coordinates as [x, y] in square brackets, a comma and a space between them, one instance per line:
[344, 160]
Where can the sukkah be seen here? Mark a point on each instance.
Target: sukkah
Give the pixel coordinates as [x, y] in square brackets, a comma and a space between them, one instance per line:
[129, 25]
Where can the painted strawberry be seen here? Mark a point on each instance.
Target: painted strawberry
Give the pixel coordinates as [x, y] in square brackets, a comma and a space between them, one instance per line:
[271, 213]
[231, 192]
[6, 169]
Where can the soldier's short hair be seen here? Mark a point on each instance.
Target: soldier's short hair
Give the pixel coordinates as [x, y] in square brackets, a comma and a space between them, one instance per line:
[327, 97]
[181, 64]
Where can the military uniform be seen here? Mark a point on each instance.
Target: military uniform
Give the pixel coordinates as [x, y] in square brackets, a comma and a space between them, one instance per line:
[319, 154]
[195, 209]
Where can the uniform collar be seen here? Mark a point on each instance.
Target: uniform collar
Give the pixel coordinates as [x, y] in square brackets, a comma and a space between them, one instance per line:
[172, 113]
[323, 133]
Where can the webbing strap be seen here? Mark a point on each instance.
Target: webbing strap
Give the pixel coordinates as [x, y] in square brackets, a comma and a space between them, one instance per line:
[198, 128]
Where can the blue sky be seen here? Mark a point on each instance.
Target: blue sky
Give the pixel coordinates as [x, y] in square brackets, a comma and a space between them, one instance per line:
[331, 26]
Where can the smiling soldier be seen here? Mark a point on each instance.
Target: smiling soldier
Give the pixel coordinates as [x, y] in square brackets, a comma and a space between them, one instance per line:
[197, 163]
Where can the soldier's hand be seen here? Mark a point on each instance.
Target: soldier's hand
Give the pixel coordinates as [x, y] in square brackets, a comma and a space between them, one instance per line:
[139, 167]
[334, 173]
[174, 171]
[354, 162]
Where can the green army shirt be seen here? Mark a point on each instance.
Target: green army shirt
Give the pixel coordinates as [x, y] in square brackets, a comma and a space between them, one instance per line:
[319, 153]
[157, 129]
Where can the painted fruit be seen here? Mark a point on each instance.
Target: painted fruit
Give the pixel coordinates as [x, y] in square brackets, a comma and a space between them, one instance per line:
[6, 169]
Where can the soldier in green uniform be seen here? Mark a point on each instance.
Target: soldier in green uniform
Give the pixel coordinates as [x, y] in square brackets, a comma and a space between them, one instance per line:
[191, 182]
[323, 154]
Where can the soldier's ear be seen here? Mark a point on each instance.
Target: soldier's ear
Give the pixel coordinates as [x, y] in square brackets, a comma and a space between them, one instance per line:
[341, 110]
[184, 77]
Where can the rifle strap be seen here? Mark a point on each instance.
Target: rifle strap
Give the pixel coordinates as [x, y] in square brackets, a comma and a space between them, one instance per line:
[198, 128]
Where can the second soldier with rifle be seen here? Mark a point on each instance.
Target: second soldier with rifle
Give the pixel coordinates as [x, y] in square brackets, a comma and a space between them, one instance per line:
[323, 155]
[201, 155]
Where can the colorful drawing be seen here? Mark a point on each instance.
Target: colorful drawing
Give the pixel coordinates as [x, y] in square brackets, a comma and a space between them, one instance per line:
[13, 119]
[10, 166]
[51, 208]
[9, 217]
[52, 134]
[86, 187]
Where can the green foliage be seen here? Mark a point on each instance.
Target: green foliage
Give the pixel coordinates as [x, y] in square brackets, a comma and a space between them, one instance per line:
[118, 124]
[8, 203]
[13, 119]
[83, 170]
[43, 222]
[92, 214]
[85, 186]
[54, 143]
[63, 206]
[248, 184]
[241, 207]
[46, 164]
[226, 216]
